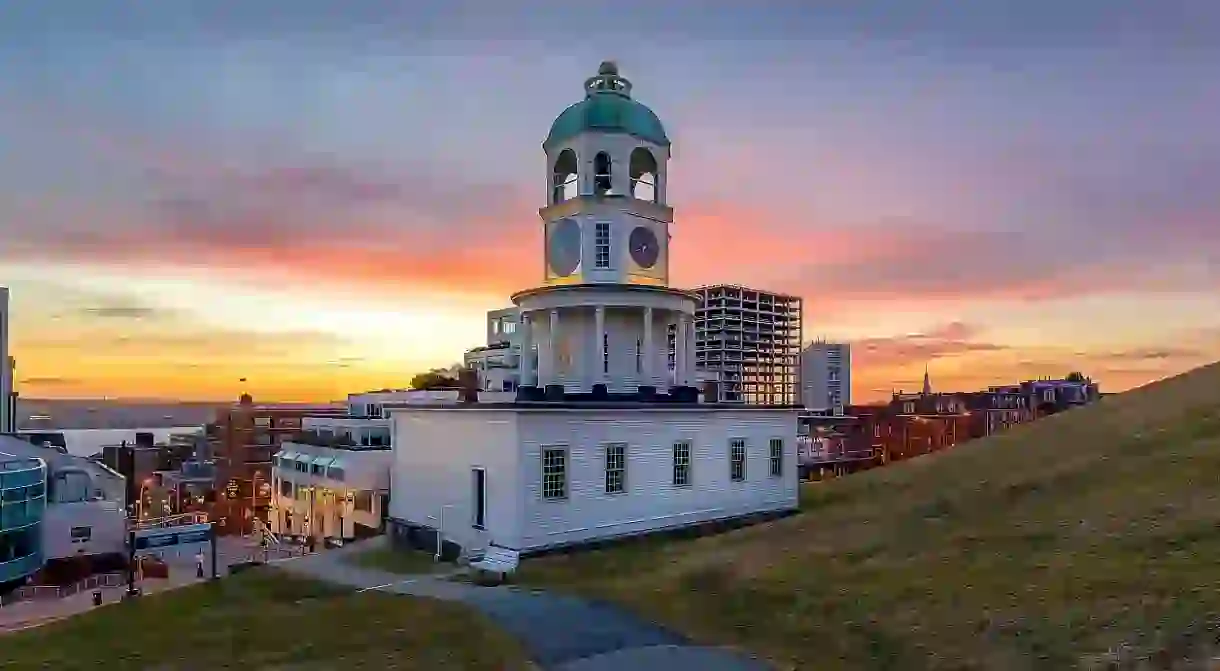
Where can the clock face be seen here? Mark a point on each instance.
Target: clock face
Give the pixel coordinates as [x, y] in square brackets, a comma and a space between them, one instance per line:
[563, 247]
[644, 247]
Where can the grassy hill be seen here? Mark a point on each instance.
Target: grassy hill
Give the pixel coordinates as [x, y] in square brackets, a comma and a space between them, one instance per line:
[266, 620]
[1089, 539]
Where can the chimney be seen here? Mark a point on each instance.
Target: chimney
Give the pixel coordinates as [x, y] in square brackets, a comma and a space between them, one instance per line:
[468, 382]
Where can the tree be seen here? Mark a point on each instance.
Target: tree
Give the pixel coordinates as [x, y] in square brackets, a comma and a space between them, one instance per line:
[1075, 376]
[437, 378]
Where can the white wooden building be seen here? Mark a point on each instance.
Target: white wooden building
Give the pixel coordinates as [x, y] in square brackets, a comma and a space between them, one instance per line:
[536, 478]
[606, 434]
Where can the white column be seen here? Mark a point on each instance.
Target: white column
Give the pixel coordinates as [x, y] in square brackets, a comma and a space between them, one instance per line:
[552, 368]
[690, 351]
[650, 354]
[680, 351]
[527, 345]
[599, 334]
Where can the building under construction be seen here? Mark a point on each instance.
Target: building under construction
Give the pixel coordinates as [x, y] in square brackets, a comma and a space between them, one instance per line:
[751, 341]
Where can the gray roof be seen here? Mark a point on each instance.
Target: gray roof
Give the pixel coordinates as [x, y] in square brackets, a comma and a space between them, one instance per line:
[56, 460]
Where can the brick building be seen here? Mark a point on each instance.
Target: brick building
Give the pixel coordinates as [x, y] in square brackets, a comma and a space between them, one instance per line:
[242, 440]
[914, 424]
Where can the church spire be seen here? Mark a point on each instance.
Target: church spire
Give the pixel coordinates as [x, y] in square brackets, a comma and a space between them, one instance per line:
[927, 382]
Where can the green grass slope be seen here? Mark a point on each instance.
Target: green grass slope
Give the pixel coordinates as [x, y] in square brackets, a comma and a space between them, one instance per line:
[1090, 539]
[266, 620]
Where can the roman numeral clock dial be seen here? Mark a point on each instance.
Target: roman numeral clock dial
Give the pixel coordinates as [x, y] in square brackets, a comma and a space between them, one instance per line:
[563, 247]
[644, 247]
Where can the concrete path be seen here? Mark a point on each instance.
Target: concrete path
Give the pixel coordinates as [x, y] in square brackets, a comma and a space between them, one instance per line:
[561, 633]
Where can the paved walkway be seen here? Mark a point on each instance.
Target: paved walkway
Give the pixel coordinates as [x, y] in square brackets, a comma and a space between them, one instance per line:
[35, 612]
[561, 633]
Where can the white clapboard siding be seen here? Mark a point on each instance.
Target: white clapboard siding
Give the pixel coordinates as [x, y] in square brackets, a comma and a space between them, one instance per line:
[436, 448]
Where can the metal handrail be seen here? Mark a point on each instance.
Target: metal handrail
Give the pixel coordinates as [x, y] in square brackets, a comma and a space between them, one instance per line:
[49, 592]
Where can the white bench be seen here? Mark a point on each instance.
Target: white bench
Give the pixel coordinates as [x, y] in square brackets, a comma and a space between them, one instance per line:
[498, 560]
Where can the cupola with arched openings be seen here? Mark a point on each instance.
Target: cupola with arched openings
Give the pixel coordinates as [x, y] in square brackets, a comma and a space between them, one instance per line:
[606, 193]
[608, 144]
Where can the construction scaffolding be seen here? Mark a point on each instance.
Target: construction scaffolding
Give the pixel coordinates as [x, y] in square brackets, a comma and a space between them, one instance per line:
[751, 341]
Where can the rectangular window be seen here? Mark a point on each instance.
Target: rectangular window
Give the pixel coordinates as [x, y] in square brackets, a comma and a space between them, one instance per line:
[262, 422]
[616, 468]
[777, 457]
[605, 352]
[479, 485]
[363, 501]
[639, 355]
[554, 473]
[682, 464]
[737, 459]
[601, 242]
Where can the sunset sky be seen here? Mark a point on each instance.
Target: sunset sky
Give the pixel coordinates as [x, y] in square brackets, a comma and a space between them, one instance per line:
[325, 197]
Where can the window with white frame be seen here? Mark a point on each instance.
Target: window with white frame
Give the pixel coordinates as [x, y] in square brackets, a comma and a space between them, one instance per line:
[555, 472]
[601, 245]
[737, 459]
[682, 464]
[777, 457]
[616, 468]
[909, 407]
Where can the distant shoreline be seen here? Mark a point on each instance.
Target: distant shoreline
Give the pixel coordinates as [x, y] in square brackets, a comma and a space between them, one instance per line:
[117, 426]
[73, 415]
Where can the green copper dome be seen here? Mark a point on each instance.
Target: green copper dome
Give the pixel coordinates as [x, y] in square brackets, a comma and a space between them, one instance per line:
[609, 108]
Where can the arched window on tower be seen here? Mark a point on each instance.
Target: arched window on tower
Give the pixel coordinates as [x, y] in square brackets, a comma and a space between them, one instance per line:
[563, 180]
[601, 174]
[643, 175]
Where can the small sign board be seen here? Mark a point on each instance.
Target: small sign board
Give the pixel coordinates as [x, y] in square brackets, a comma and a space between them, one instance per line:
[156, 539]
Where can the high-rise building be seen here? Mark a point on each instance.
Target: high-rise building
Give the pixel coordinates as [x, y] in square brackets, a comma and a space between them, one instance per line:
[751, 340]
[8, 404]
[826, 376]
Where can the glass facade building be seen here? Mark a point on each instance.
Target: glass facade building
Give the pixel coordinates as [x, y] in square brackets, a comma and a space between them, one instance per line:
[22, 504]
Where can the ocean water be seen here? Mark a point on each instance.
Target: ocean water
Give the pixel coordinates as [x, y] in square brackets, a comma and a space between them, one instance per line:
[87, 442]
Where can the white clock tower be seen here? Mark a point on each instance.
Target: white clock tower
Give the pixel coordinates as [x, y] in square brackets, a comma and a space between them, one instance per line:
[606, 218]
[602, 319]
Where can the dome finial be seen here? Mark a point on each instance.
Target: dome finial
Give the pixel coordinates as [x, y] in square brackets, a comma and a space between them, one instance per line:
[607, 80]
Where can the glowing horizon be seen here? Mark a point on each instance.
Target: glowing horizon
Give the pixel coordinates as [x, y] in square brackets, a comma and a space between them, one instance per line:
[326, 201]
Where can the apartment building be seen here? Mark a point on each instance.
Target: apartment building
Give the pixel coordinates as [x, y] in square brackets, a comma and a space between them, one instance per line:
[750, 340]
[242, 441]
[826, 376]
[8, 397]
[497, 364]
